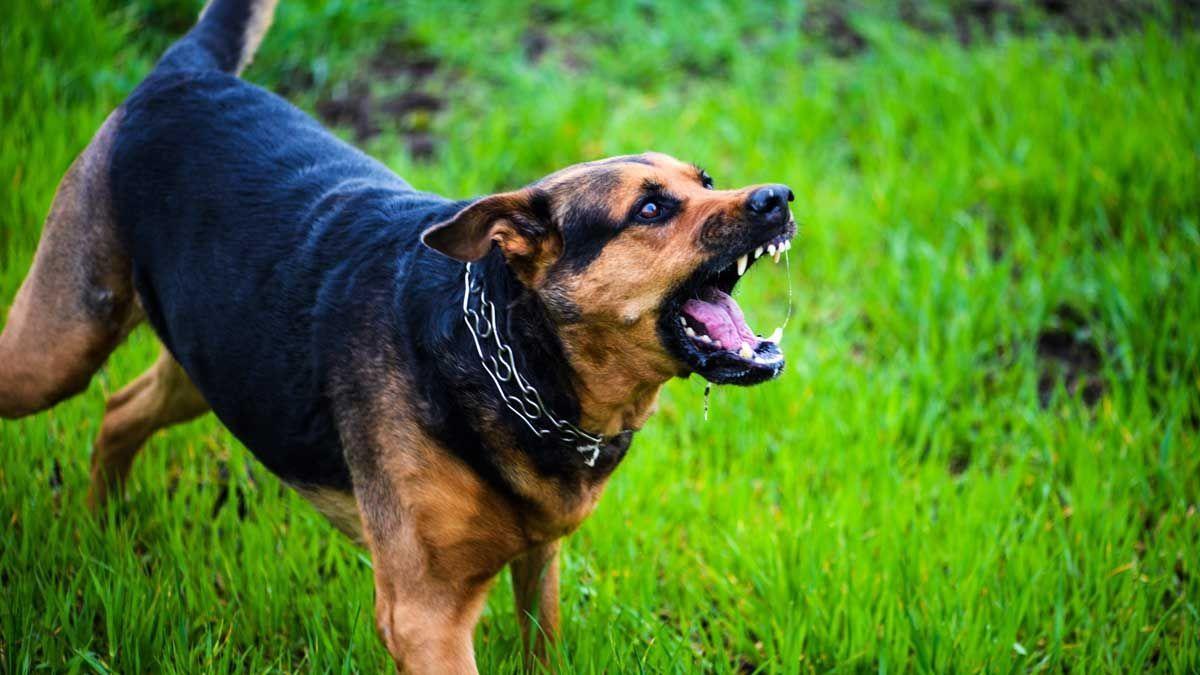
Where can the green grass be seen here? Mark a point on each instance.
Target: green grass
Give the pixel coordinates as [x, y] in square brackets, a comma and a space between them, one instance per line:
[924, 490]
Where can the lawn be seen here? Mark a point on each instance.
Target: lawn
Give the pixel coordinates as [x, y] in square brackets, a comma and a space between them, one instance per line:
[983, 456]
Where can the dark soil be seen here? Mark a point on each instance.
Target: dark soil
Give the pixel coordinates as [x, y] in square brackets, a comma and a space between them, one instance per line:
[392, 92]
[829, 22]
[974, 21]
[1067, 353]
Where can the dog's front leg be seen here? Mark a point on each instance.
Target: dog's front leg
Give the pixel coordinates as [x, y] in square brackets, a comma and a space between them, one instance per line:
[438, 535]
[425, 617]
[535, 585]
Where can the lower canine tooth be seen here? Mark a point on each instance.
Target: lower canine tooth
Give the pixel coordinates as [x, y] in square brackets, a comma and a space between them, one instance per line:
[742, 262]
[690, 332]
[777, 336]
[745, 352]
[682, 321]
[705, 338]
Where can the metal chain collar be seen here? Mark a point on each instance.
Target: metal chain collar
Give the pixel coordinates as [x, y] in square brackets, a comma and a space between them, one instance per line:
[502, 368]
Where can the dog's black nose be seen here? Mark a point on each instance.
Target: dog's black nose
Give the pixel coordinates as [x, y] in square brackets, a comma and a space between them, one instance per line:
[769, 198]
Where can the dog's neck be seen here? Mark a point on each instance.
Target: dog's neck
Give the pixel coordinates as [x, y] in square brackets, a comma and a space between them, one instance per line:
[604, 392]
[541, 377]
[616, 390]
[613, 384]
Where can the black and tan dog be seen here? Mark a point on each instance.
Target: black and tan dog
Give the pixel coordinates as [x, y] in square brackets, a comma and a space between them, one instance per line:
[454, 418]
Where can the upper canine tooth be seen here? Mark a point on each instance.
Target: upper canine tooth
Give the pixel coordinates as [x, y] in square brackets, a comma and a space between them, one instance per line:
[758, 252]
[777, 336]
[745, 352]
[742, 262]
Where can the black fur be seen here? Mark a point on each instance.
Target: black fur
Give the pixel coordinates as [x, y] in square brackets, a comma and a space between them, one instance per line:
[215, 42]
[275, 262]
[588, 225]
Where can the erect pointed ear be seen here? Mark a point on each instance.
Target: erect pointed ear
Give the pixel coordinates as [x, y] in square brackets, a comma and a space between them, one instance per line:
[519, 222]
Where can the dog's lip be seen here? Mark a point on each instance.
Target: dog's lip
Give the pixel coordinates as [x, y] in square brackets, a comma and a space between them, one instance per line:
[774, 245]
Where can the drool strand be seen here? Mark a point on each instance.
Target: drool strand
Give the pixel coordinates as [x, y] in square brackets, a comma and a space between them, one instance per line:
[787, 261]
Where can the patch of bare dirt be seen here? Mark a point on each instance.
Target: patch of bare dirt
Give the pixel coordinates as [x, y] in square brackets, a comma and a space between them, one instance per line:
[975, 21]
[829, 22]
[392, 92]
[1067, 352]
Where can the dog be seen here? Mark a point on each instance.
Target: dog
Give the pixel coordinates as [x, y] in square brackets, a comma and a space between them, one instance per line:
[451, 382]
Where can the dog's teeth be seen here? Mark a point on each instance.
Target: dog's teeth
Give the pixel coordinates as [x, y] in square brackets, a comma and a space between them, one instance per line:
[777, 336]
[705, 338]
[717, 344]
[682, 321]
[690, 331]
[771, 249]
[742, 262]
[757, 252]
[776, 255]
[745, 352]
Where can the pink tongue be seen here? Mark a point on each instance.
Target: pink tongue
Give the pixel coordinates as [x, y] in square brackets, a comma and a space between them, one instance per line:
[721, 318]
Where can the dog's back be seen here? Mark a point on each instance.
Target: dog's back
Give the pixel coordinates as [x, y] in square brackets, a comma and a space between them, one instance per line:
[242, 228]
[236, 207]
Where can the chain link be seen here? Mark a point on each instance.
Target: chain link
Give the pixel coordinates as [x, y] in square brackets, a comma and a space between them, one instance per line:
[502, 368]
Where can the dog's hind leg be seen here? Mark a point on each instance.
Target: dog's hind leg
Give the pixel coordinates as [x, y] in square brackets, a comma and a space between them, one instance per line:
[77, 302]
[160, 397]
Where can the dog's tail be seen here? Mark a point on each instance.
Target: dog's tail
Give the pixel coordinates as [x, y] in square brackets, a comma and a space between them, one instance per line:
[225, 38]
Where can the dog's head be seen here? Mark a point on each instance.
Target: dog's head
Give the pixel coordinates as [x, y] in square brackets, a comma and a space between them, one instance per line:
[636, 258]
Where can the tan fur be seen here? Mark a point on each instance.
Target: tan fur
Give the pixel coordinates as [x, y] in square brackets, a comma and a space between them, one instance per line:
[553, 510]
[438, 533]
[261, 16]
[77, 302]
[160, 397]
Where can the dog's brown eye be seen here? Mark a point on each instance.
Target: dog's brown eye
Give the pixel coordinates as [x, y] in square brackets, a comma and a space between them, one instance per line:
[650, 211]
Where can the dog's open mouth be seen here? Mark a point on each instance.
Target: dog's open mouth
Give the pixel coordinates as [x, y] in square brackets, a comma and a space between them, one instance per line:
[705, 328]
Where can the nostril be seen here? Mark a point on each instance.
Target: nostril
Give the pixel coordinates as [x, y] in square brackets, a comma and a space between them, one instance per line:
[763, 200]
[770, 198]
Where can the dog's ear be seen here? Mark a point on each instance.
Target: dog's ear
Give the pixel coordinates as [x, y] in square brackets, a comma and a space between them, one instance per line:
[518, 222]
